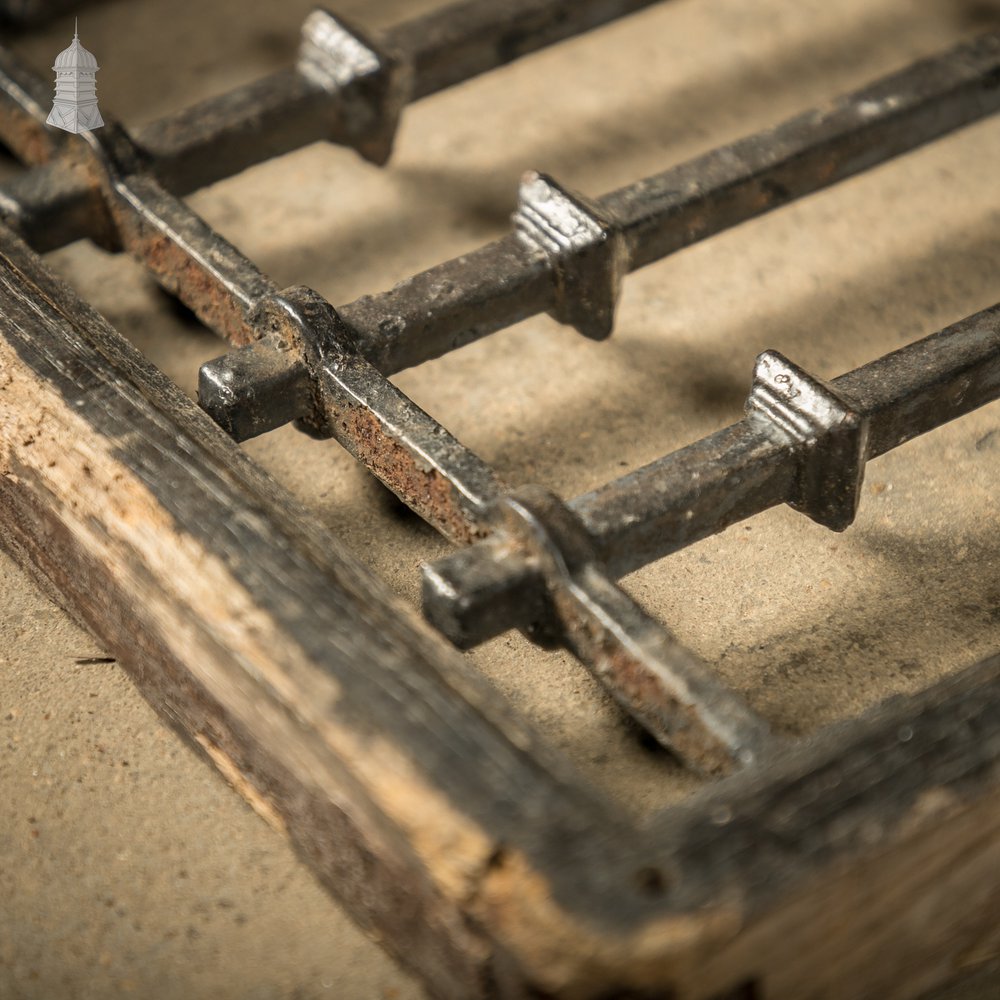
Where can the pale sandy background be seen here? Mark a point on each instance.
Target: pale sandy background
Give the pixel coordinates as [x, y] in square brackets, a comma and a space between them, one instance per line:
[127, 866]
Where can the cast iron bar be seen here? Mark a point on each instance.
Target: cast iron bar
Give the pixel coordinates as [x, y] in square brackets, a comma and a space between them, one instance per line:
[728, 476]
[223, 135]
[506, 281]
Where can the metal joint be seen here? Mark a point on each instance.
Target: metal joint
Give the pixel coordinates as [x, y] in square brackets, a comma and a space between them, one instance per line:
[832, 432]
[534, 540]
[675, 697]
[301, 318]
[555, 545]
[373, 84]
[586, 247]
[256, 388]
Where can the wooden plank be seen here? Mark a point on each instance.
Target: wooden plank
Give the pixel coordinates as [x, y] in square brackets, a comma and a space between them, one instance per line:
[865, 864]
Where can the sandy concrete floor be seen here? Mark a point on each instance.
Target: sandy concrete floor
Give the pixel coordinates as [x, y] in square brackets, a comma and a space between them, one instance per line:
[127, 866]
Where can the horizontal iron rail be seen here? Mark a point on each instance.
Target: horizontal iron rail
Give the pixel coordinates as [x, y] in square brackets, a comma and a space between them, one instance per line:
[462, 300]
[348, 86]
[689, 202]
[803, 442]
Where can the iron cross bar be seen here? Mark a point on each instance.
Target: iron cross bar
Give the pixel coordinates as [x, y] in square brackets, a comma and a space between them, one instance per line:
[569, 254]
[803, 441]
[348, 86]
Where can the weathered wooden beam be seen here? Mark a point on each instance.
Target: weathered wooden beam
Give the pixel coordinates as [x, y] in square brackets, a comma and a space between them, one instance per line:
[865, 863]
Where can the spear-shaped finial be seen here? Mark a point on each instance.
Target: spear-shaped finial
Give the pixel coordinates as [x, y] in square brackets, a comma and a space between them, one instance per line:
[76, 27]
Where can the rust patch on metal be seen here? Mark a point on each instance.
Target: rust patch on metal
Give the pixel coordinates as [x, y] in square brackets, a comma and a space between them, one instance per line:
[188, 279]
[646, 698]
[27, 139]
[426, 490]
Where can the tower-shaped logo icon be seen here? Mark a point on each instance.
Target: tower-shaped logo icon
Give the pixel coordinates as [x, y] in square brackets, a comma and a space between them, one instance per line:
[75, 106]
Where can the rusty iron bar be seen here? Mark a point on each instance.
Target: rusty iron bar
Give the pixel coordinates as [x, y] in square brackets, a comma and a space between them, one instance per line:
[347, 398]
[349, 86]
[290, 109]
[656, 680]
[540, 268]
[408, 450]
[672, 694]
[463, 40]
[802, 441]
[187, 257]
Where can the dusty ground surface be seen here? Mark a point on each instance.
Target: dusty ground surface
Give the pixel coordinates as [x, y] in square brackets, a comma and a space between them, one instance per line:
[127, 866]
